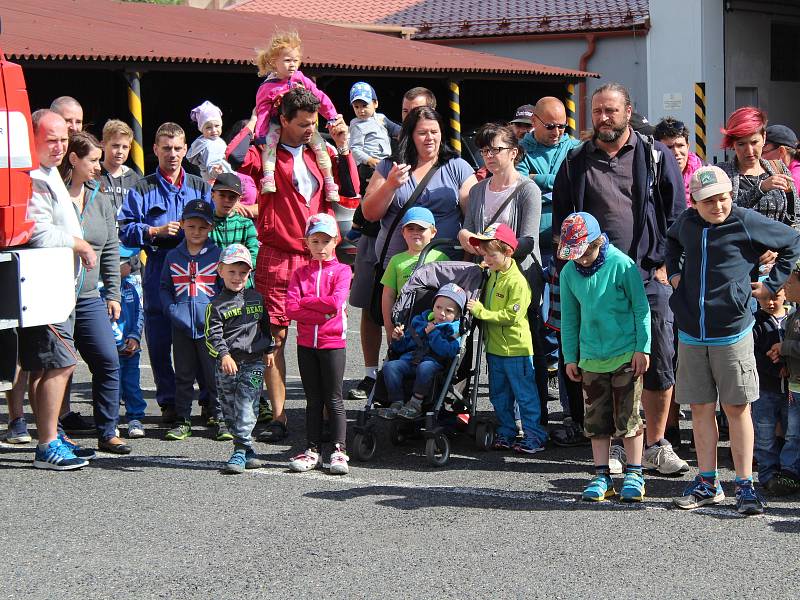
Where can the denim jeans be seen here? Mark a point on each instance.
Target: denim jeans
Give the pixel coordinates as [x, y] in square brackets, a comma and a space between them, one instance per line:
[395, 372]
[512, 378]
[130, 391]
[772, 408]
[238, 395]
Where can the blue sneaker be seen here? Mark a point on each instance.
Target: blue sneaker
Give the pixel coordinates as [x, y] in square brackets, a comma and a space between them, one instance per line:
[527, 445]
[700, 493]
[236, 463]
[600, 488]
[58, 457]
[80, 452]
[748, 501]
[632, 488]
[18, 432]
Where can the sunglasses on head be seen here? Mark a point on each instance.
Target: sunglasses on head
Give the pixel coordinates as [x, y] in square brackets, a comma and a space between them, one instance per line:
[551, 126]
[674, 126]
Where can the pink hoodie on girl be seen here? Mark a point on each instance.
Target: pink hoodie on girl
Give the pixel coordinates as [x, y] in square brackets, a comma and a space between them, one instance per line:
[269, 93]
[316, 299]
[693, 163]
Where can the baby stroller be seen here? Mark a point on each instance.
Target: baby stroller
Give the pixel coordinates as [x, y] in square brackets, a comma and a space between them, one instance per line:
[459, 403]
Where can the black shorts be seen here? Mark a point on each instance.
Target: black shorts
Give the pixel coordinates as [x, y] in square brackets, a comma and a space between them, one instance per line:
[661, 374]
[47, 347]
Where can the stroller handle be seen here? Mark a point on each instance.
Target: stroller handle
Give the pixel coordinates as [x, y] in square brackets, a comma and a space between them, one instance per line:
[433, 245]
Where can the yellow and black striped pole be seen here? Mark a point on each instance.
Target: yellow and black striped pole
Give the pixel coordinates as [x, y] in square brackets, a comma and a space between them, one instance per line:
[455, 117]
[570, 106]
[135, 108]
[700, 120]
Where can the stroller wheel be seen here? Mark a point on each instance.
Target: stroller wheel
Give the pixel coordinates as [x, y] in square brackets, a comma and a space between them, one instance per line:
[484, 435]
[364, 445]
[437, 449]
[398, 433]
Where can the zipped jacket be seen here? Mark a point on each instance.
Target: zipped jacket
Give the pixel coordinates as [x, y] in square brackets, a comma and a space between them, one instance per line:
[441, 343]
[766, 333]
[316, 299]
[717, 263]
[188, 283]
[237, 324]
[790, 348]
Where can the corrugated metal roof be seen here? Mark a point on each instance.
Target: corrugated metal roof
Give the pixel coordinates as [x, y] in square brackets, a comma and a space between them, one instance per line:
[441, 19]
[102, 30]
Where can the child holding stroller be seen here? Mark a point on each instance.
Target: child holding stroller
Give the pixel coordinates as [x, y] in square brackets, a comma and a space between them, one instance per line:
[431, 341]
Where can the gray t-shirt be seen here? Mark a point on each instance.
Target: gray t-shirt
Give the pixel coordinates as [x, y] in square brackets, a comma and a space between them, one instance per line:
[440, 197]
[609, 191]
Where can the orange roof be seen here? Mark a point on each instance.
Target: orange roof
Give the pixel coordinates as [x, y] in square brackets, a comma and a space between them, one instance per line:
[103, 30]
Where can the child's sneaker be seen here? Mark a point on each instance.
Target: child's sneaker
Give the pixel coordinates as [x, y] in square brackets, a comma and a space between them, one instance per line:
[783, 484]
[236, 463]
[748, 502]
[78, 451]
[600, 488]
[181, 431]
[700, 493]
[264, 410]
[527, 445]
[268, 183]
[331, 189]
[18, 431]
[222, 434]
[661, 457]
[57, 457]
[632, 488]
[411, 410]
[135, 429]
[310, 459]
[501, 443]
[339, 461]
[617, 459]
[391, 412]
[251, 460]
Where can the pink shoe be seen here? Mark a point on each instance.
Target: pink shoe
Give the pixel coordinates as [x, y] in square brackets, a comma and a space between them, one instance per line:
[331, 190]
[339, 461]
[306, 461]
[268, 183]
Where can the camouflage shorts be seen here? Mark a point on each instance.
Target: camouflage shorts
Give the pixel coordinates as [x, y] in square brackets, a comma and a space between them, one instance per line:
[611, 403]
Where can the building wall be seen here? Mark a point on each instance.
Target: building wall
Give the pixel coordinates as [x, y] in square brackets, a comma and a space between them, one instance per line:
[617, 59]
[747, 62]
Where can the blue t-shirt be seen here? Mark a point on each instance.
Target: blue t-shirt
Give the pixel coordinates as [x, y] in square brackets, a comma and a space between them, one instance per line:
[440, 197]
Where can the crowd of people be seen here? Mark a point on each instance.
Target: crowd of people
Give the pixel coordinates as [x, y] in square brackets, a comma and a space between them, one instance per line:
[643, 278]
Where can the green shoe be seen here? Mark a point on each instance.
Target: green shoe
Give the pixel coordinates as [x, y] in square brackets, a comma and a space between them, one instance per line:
[632, 488]
[222, 434]
[264, 410]
[181, 431]
[600, 488]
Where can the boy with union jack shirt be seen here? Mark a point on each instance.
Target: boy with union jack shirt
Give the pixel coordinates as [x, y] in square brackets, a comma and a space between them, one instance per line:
[188, 283]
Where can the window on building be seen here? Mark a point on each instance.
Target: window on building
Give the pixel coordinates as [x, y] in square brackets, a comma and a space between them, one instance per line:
[784, 50]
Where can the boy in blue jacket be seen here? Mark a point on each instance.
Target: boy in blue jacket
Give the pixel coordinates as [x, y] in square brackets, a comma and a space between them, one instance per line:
[425, 348]
[713, 252]
[188, 282]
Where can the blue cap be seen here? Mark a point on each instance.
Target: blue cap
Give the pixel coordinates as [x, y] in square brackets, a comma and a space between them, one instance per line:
[125, 253]
[198, 209]
[361, 90]
[322, 223]
[455, 292]
[577, 231]
[418, 215]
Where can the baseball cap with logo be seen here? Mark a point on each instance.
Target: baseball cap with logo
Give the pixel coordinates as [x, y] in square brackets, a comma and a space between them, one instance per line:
[781, 135]
[524, 114]
[198, 209]
[707, 182]
[577, 231]
[455, 292]
[363, 91]
[236, 253]
[418, 215]
[229, 182]
[497, 231]
[322, 223]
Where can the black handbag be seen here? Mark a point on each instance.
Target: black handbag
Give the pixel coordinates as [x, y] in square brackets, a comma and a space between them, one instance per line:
[376, 298]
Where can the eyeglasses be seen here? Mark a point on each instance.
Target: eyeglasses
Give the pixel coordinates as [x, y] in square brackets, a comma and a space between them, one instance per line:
[551, 126]
[492, 151]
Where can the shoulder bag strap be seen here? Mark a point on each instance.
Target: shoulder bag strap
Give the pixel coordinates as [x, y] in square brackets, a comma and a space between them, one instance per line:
[411, 201]
[509, 200]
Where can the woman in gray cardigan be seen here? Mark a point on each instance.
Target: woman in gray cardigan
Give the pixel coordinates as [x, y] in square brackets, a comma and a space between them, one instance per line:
[94, 337]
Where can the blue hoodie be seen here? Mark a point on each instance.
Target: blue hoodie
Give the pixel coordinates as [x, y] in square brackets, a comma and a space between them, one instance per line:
[543, 161]
[442, 343]
[188, 283]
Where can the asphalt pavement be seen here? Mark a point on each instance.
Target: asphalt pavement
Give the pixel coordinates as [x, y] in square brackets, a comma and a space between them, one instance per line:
[164, 523]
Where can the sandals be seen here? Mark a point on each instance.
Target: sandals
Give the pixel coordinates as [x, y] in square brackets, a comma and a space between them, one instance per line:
[275, 431]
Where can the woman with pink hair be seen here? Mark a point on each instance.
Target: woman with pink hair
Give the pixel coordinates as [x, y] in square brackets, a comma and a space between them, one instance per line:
[757, 183]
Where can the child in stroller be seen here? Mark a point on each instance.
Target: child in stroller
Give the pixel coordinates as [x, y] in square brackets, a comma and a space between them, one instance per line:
[424, 350]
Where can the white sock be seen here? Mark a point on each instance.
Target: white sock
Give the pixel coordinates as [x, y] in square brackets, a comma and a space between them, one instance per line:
[371, 372]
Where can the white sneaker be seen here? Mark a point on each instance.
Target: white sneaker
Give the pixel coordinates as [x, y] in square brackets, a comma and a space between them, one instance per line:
[617, 459]
[339, 462]
[664, 460]
[306, 461]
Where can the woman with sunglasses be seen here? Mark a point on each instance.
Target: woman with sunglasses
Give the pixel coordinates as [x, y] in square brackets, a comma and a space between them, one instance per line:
[675, 136]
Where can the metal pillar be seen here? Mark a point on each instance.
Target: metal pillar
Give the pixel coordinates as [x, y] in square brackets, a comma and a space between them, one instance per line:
[135, 109]
[700, 120]
[455, 117]
[570, 106]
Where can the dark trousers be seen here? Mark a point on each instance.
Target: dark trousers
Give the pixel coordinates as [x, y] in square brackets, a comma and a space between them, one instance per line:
[191, 358]
[322, 372]
[94, 339]
[574, 390]
[158, 333]
[541, 351]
